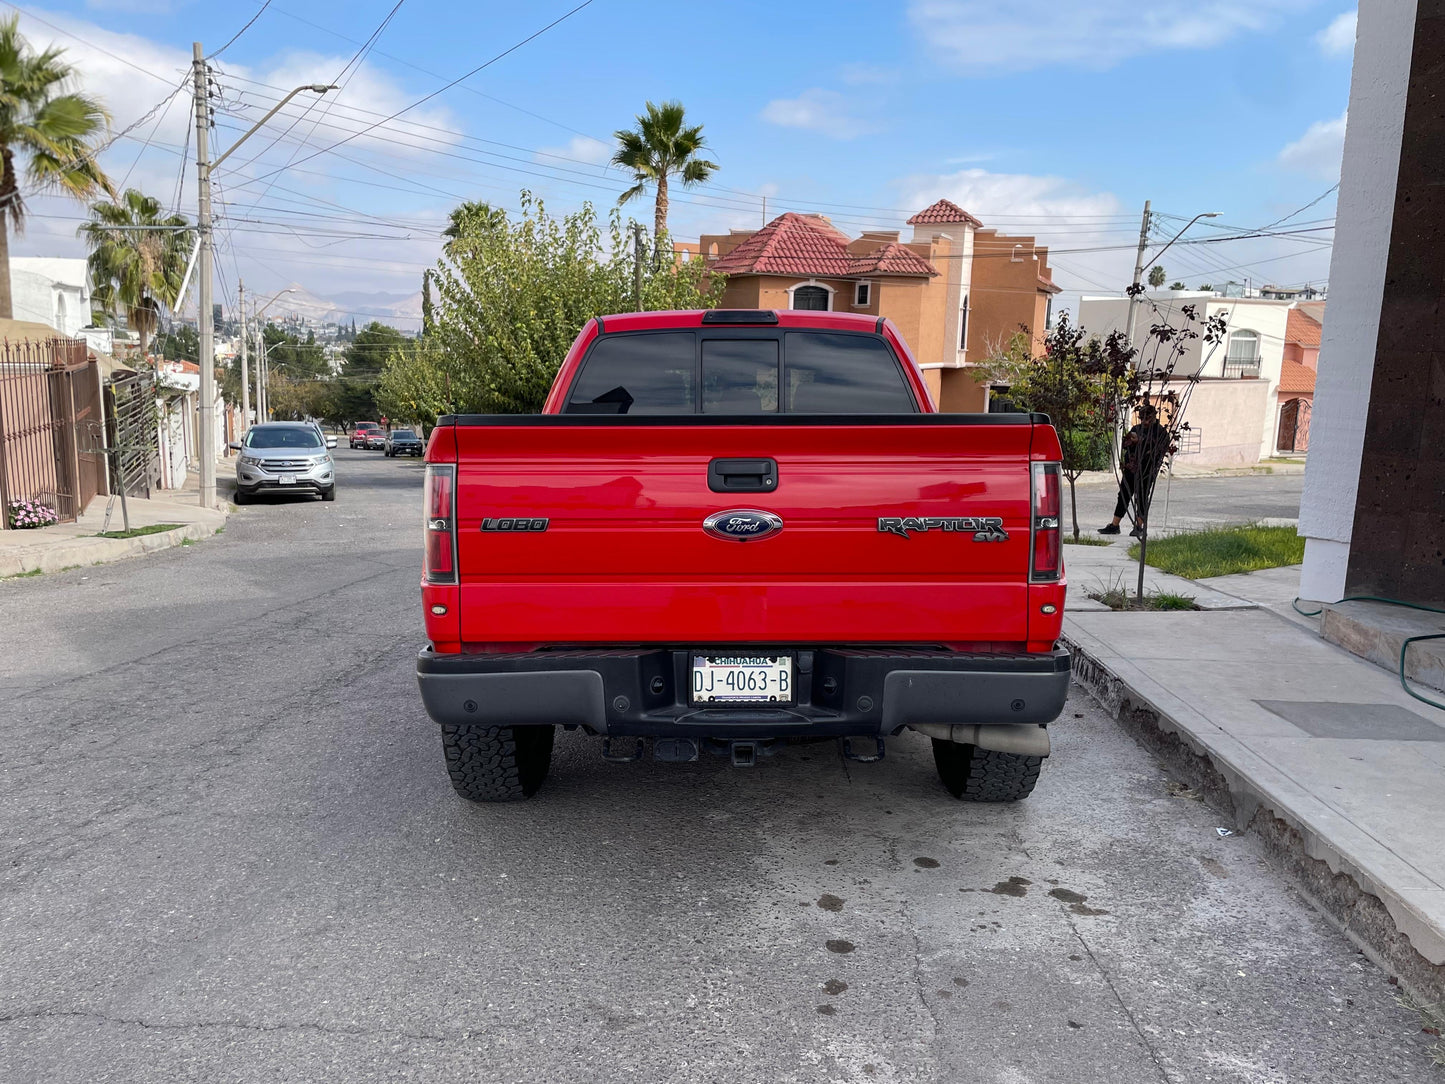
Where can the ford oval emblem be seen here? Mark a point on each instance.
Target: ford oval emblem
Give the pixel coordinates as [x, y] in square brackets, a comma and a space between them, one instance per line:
[742, 524]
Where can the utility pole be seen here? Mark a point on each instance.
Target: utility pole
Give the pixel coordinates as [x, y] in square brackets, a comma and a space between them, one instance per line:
[203, 228]
[636, 267]
[765, 210]
[1138, 273]
[245, 367]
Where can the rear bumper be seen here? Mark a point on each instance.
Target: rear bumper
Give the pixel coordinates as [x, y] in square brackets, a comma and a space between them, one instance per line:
[841, 691]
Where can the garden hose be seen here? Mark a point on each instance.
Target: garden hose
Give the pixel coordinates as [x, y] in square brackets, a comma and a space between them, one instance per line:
[1404, 647]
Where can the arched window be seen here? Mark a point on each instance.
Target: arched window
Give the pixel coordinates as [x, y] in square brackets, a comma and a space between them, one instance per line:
[60, 313]
[814, 298]
[1242, 359]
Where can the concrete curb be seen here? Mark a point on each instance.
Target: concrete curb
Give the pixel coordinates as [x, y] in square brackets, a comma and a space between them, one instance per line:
[83, 552]
[1295, 827]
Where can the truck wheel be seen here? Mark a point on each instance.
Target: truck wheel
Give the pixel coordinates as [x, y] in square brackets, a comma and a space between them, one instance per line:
[497, 763]
[982, 775]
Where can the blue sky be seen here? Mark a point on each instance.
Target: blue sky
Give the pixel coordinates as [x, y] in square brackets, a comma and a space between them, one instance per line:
[1037, 117]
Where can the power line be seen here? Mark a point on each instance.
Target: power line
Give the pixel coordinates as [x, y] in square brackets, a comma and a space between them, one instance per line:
[238, 33]
[440, 90]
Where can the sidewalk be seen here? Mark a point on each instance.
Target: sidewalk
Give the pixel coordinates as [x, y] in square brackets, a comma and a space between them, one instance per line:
[68, 545]
[1318, 751]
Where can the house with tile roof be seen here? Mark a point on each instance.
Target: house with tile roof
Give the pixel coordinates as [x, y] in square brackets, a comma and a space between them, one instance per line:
[1296, 389]
[924, 285]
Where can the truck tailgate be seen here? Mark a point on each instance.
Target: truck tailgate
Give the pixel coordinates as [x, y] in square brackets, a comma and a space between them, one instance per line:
[624, 556]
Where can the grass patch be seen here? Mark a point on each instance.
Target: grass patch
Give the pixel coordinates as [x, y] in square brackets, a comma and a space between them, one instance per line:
[188, 541]
[137, 532]
[1224, 551]
[26, 575]
[1085, 540]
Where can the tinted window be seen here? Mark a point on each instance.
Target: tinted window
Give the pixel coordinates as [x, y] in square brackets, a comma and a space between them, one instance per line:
[638, 374]
[739, 376]
[283, 438]
[843, 374]
[403, 434]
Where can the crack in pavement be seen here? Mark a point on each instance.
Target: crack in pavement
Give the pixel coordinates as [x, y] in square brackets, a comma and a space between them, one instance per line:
[236, 1025]
[1109, 982]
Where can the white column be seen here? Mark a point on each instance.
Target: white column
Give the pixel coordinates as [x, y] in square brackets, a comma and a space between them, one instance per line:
[1357, 285]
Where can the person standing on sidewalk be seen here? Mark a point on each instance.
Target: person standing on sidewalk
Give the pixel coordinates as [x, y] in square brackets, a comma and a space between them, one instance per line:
[1145, 446]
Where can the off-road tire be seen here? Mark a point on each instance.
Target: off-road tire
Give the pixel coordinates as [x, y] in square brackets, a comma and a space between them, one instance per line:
[497, 763]
[972, 774]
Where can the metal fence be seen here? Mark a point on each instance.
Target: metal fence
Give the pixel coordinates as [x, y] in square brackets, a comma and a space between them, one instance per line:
[131, 433]
[49, 396]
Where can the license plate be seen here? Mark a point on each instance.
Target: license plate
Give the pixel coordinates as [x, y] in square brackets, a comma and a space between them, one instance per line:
[742, 679]
[287, 480]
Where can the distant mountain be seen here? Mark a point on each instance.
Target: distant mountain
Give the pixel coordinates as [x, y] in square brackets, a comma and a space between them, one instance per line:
[399, 310]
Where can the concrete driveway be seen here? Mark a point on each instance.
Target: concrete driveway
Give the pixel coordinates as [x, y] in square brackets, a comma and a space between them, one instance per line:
[232, 854]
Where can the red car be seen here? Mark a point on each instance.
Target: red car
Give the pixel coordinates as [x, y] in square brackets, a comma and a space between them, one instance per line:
[368, 435]
[730, 528]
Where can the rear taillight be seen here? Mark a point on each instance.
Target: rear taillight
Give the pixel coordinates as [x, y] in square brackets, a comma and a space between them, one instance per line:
[1044, 565]
[440, 504]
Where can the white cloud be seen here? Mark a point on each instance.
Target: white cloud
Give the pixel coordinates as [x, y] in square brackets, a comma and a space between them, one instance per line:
[1007, 195]
[579, 149]
[1318, 151]
[986, 37]
[815, 110]
[1338, 38]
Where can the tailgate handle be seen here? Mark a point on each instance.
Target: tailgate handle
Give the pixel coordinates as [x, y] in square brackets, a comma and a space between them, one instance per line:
[742, 475]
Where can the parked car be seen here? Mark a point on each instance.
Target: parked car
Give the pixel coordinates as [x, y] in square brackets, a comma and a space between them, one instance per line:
[404, 442]
[367, 435]
[730, 528]
[289, 457]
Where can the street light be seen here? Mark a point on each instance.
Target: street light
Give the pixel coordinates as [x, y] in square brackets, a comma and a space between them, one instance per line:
[204, 169]
[1140, 263]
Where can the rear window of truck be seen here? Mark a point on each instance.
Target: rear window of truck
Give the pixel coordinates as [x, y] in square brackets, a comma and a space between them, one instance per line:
[794, 372]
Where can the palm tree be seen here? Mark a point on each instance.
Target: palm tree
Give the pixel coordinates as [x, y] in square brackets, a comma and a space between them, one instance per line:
[138, 256]
[52, 130]
[656, 149]
[467, 216]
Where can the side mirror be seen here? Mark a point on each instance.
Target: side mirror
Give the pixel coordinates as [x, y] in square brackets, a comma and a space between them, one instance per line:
[234, 446]
[331, 442]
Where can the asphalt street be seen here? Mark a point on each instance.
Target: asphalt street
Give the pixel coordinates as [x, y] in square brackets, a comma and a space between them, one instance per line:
[232, 854]
[1194, 503]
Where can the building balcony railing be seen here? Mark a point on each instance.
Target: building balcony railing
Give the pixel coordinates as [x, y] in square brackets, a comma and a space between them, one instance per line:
[1241, 368]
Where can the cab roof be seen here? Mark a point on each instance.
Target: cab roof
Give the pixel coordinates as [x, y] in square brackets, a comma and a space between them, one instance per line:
[783, 318]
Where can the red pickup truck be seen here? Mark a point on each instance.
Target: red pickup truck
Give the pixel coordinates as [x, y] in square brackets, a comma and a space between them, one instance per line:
[730, 528]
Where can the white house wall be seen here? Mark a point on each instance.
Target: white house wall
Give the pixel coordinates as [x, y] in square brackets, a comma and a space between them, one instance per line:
[1364, 222]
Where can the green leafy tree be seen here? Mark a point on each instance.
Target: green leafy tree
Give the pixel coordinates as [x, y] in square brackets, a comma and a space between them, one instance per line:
[52, 131]
[181, 343]
[366, 355]
[660, 147]
[138, 257]
[300, 359]
[1073, 384]
[1156, 276]
[509, 301]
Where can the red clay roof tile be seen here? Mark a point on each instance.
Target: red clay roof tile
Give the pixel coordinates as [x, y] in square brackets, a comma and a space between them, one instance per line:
[891, 259]
[1302, 328]
[942, 212]
[1296, 379]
